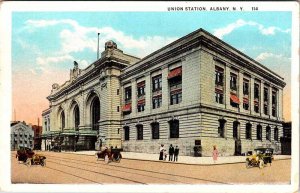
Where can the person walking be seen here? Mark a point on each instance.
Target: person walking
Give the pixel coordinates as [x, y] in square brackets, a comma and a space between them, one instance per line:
[215, 154]
[171, 152]
[161, 152]
[176, 152]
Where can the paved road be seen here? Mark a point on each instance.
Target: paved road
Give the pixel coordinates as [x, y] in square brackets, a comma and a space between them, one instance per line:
[64, 168]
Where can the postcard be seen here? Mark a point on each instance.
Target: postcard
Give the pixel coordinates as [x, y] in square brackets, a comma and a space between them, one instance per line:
[179, 96]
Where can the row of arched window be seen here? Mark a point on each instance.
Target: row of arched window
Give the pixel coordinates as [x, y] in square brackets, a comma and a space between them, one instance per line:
[173, 127]
[248, 131]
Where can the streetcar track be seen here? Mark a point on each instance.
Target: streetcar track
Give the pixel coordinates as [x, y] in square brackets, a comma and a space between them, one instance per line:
[98, 173]
[183, 182]
[68, 159]
[72, 174]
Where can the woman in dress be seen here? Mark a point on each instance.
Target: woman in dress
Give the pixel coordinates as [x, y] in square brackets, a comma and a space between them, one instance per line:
[161, 152]
[215, 154]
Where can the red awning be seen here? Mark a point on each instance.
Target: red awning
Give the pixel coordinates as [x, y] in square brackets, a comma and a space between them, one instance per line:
[235, 99]
[175, 72]
[142, 101]
[218, 90]
[141, 84]
[245, 100]
[255, 102]
[127, 107]
[176, 91]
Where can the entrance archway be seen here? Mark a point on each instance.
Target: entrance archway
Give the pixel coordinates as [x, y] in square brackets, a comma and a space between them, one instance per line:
[95, 113]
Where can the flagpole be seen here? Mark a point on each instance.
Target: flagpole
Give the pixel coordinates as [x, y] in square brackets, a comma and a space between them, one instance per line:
[98, 47]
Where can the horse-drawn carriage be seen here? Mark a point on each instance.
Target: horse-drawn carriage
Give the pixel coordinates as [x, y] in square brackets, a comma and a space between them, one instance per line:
[110, 154]
[27, 156]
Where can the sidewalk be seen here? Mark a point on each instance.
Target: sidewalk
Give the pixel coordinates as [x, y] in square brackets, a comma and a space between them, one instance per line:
[184, 159]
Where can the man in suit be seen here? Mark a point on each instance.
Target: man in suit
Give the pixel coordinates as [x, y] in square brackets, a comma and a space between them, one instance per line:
[171, 152]
[176, 152]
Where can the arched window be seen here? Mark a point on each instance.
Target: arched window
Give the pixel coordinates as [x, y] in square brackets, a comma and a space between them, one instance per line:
[235, 129]
[126, 133]
[76, 117]
[174, 128]
[155, 130]
[259, 132]
[268, 133]
[95, 111]
[248, 131]
[62, 119]
[221, 128]
[139, 131]
[276, 134]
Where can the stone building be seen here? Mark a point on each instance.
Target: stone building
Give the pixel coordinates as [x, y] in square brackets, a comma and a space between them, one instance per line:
[37, 130]
[21, 135]
[196, 90]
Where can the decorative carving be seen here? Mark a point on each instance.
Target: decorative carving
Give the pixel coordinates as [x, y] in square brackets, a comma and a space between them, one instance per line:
[110, 45]
[104, 85]
[55, 86]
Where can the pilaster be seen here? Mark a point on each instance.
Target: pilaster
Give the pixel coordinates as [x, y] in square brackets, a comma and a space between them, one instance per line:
[165, 88]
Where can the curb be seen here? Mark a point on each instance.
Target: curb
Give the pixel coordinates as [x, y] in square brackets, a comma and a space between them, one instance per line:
[168, 162]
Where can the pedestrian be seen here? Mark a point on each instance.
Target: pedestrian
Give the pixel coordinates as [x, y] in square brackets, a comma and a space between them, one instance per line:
[161, 152]
[215, 154]
[171, 152]
[165, 155]
[176, 152]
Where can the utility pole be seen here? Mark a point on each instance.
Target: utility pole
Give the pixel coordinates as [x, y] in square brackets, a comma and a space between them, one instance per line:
[98, 47]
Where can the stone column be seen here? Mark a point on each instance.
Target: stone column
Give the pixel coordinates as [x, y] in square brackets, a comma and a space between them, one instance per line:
[280, 104]
[227, 87]
[165, 88]
[148, 93]
[251, 95]
[261, 102]
[133, 97]
[240, 90]
[270, 102]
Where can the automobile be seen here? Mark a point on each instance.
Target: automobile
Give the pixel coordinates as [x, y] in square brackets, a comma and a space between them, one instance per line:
[109, 154]
[260, 157]
[27, 156]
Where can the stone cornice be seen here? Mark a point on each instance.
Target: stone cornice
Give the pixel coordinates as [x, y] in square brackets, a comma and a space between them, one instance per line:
[196, 39]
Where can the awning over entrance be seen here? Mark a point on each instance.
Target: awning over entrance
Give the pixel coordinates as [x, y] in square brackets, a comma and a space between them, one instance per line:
[234, 99]
[175, 72]
[127, 107]
[246, 100]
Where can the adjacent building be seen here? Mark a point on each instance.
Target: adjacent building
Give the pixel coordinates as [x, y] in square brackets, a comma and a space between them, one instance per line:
[37, 130]
[21, 135]
[197, 90]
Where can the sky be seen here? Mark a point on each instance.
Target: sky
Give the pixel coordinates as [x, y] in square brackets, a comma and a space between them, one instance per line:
[45, 44]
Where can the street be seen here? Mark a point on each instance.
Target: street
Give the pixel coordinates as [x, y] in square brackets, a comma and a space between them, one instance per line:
[67, 168]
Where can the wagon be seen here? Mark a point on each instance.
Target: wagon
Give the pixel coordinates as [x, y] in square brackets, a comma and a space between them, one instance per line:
[110, 154]
[27, 156]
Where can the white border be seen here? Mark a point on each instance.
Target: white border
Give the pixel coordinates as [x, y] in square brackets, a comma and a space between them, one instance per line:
[5, 94]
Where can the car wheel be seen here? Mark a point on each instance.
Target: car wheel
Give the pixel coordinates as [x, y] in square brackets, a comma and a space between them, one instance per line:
[43, 162]
[261, 164]
[28, 162]
[247, 164]
[106, 159]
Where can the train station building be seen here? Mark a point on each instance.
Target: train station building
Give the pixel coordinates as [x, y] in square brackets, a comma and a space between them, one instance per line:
[195, 91]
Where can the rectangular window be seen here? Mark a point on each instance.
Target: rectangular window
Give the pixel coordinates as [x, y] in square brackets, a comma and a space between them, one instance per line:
[139, 129]
[266, 101]
[175, 82]
[256, 91]
[157, 83]
[157, 101]
[276, 134]
[141, 89]
[174, 128]
[233, 81]
[259, 132]
[248, 131]
[268, 133]
[245, 103]
[219, 97]
[246, 87]
[141, 107]
[219, 76]
[155, 130]
[126, 133]
[128, 94]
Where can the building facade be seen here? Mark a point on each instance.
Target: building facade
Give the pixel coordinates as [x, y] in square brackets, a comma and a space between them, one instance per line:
[37, 130]
[197, 90]
[21, 135]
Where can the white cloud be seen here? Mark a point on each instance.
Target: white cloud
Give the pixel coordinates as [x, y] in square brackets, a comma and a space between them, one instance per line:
[267, 55]
[80, 38]
[46, 61]
[221, 32]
